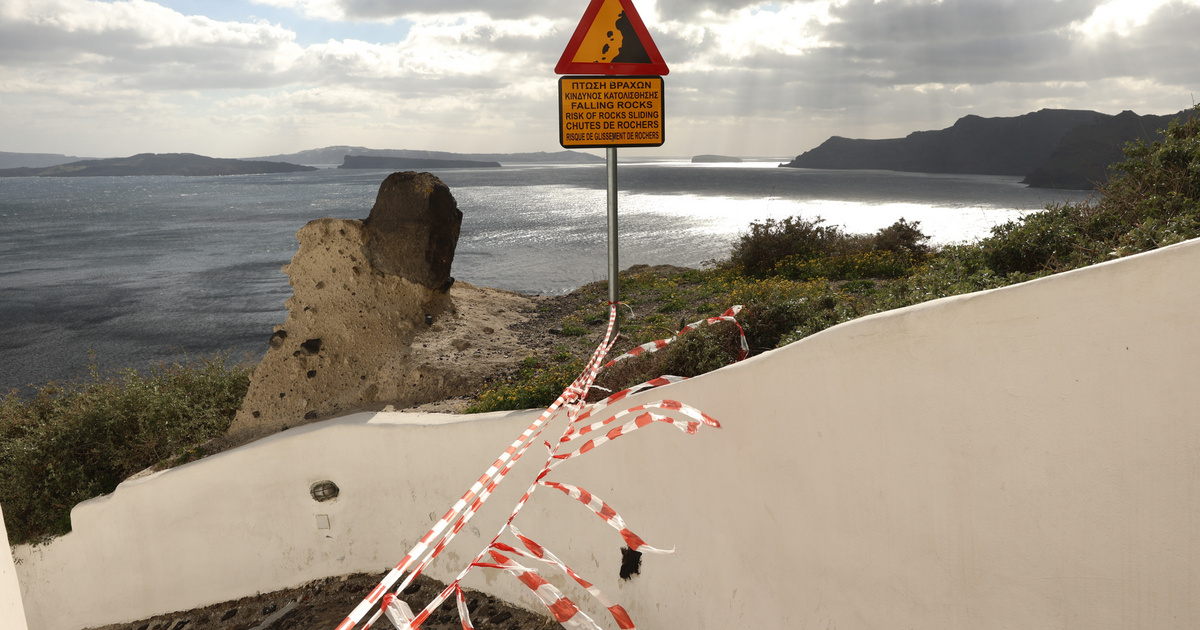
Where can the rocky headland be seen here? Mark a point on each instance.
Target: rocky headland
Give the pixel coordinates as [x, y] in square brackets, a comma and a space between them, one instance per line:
[973, 145]
[185, 164]
[1083, 156]
[1050, 148]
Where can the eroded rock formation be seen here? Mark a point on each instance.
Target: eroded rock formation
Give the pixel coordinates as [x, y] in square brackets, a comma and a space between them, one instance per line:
[373, 320]
[413, 229]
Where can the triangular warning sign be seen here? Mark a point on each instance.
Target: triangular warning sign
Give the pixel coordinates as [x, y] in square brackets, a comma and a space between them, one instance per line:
[611, 39]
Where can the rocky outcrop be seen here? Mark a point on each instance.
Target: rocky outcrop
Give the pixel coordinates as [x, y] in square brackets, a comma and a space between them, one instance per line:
[373, 320]
[413, 229]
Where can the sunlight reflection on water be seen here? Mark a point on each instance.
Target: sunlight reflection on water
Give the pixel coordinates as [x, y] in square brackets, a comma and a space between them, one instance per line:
[141, 268]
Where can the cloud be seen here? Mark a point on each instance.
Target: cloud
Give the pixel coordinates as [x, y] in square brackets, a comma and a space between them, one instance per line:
[785, 74]
[385, 10]
[142, 43]
[679, 10]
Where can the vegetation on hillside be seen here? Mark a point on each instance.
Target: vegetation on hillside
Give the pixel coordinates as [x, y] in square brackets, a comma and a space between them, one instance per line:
[798, 276]
[70, 442]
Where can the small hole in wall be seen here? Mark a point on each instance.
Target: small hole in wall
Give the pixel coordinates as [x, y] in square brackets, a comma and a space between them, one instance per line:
[631, 563]
[324, 491]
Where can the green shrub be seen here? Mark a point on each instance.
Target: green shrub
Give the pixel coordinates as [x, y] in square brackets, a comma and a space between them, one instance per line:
[535, 384]
[954, 270]
[694, 353]
[776, 308]
[852, 266]
[804, 249]
[1037, 242]
[69, 443]
[1152, 199]
[768, 242]
[902, 237]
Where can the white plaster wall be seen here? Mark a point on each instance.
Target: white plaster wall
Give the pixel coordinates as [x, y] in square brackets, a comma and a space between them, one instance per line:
[12, 613]
[1022, 458]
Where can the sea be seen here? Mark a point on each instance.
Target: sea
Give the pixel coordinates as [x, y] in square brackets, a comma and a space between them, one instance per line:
[125, 272]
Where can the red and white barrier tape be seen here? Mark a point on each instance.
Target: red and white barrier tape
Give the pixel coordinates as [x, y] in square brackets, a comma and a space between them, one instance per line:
[463, 613]
[571, 401]
[564, 610]
[653, 346]
[602, 509]
[541, 553]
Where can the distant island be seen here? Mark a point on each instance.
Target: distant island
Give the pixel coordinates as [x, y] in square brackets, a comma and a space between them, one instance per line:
[34, 160]
[187, 164]
[1050, 148]
[714, 159]
[336, 154]
[37, 164]
[409, 164]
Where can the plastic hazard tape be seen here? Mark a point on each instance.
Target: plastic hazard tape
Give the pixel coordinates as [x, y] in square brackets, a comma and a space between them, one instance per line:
[462, 511]
[652, 346]
[564, 610]
[610, 516]
[463, 612]
[541, 553]
[572, 402]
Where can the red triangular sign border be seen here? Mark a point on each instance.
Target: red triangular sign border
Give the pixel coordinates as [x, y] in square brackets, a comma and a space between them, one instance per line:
[566, 65]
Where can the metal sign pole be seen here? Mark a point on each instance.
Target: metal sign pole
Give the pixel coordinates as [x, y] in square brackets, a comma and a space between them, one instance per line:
[613, 266]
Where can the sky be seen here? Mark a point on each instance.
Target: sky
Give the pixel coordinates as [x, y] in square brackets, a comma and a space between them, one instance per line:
[244, 78]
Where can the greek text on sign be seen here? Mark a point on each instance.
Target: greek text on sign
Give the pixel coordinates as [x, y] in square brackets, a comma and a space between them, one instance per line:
[610, 112]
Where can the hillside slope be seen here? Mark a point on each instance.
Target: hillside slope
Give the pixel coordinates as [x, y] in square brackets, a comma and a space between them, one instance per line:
[973, 145]
[1082, 158]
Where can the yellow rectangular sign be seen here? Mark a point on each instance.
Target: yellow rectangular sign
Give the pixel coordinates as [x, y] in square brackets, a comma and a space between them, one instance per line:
[597, 111]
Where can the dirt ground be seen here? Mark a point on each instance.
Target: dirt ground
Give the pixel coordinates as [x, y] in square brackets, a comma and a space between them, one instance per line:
[323, 604]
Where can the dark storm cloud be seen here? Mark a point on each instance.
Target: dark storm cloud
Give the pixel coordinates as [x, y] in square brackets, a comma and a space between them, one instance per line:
[880, 45]
[952, 20]
[953, 41]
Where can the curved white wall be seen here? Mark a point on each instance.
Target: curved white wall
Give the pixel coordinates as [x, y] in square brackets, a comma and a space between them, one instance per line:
[12, 614]
[1026, 457]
